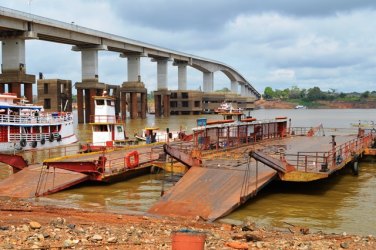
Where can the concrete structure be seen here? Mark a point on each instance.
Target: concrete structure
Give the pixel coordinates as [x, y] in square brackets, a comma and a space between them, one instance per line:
[134, 99]
[196, 102]
[55, 94]
[13, 78]
[23, 26]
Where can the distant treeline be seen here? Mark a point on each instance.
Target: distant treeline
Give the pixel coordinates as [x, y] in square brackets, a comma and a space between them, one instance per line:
[314, 94]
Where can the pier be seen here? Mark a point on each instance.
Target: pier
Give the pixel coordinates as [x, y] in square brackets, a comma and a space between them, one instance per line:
[228, 164]
[229, 177]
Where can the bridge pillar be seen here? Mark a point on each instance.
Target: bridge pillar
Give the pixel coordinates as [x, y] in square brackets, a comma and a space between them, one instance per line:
[133, 66]
[133, 99]
[208, 78]
[162, 64]
[182, 74]
[13, 66]
[234, 87]
[162, 103]
[162, 95]
[90, 85]
[242, 89]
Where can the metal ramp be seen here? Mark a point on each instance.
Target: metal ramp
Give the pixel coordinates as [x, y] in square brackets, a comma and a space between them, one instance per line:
[213, 192]
[34, 181]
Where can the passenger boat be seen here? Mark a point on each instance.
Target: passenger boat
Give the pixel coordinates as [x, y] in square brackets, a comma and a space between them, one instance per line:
[300, 107]
[26, 126]
[227, 107]
[108, 130]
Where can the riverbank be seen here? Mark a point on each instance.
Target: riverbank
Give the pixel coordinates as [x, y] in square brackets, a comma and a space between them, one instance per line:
[279, 104]
[24, 225]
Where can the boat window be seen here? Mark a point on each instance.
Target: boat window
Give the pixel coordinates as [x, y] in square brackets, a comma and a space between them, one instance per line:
[110, 103]
[100, 128]
[119, 129]
[100, 102]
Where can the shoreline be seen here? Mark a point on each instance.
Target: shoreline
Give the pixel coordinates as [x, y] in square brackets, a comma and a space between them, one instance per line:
[25, 225]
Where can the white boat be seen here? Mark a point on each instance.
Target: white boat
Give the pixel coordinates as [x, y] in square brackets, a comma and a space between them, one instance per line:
[153, 134]
[108, 130]
[227, 108]
[300, 107]
[26, 126]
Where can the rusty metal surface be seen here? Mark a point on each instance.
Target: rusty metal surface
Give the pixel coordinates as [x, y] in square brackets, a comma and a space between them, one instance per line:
[212, 192]
[30, 183]
[180, 156]
[15, 161]
[269, 161]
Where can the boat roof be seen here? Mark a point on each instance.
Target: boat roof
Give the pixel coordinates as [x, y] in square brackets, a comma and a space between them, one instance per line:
[151, 128]
[103, 97]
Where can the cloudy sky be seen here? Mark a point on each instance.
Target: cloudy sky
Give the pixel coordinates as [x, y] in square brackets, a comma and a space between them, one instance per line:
[277, 43]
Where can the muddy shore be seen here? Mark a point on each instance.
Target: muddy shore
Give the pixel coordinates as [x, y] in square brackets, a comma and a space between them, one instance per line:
[24, 225]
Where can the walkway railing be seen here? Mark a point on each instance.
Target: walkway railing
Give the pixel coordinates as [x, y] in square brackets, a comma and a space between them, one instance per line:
[339, 156]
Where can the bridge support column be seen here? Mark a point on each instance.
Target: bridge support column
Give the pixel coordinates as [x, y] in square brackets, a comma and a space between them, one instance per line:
[133, 66]
[182, 74]
[162, 103]
[162, 95]
[90, 85]
[208, 82]
[13, 67]
[242, 89]
[234, 87]
[133, 99]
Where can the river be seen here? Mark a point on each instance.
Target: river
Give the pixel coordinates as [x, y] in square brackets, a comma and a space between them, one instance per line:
[342, 203]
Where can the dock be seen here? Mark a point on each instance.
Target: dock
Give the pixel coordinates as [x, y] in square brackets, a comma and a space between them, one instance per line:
[59, 173]
[228, 177]
[214, 191]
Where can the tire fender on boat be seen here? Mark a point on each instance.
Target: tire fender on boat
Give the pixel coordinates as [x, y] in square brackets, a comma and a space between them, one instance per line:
[58, 137]
[23, 142]
[51, 137]
[132, 159]
[34, 144]
[43, 141]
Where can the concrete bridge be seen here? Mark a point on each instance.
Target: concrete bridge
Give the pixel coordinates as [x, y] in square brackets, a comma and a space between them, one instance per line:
[16, 27]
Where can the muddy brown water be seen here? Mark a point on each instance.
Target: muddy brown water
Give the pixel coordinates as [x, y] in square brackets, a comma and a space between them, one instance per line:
[342, 203]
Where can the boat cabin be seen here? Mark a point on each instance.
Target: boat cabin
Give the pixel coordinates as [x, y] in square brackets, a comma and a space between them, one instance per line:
[106, 127]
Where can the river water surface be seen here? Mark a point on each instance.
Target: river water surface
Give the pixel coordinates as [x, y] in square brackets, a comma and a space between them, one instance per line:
[343, 203]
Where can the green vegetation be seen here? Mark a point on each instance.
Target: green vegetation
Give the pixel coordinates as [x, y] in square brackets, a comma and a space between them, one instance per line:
[309, 97]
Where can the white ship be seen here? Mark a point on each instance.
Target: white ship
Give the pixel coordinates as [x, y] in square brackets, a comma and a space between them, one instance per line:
[26, 126]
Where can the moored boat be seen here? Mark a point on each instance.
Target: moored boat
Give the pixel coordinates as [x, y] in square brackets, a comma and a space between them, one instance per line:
[154, 134]
[108, 130]
[26, 126]
[227, 107]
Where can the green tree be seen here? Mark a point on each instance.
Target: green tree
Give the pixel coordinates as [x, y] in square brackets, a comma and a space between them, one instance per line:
[269, 93]
[365, 95]
[294, 92]
[314, 94]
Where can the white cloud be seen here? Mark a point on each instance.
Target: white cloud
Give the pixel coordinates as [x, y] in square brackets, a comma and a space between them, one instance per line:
[270, 43]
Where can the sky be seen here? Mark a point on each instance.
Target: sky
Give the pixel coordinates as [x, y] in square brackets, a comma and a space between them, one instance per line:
[275, 43]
